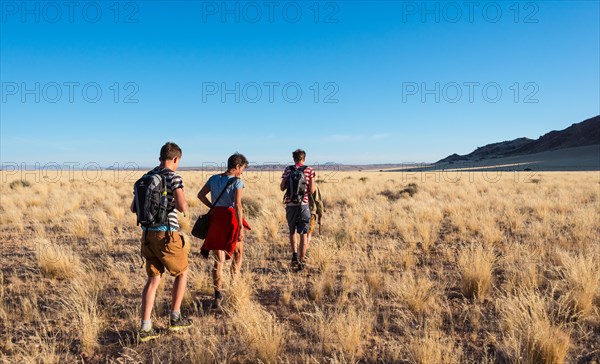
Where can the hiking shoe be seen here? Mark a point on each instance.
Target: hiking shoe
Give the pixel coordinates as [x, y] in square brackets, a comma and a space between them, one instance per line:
[216, 303]
[301, 266]
[182, 323]
[147, 335]
[294, 261]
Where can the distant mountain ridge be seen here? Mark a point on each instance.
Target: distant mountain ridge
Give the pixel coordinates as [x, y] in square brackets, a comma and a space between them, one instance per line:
[580, 134]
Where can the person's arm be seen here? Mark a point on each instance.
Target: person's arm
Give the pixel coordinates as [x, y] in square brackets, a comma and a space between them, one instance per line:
[283, 184]
[178, 193]
[132, 207]
[312, 185]
[239, 211]
[202, 195]
[180, 202]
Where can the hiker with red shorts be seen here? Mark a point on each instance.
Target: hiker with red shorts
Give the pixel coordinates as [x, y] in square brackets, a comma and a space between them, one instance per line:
[226, 229]
[298, 181]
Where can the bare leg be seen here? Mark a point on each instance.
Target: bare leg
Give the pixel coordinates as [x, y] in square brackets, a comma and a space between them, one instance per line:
[148, 295]
[219, 257]
[303, 246]
[236, 265]
[293, 242]
[178, 290]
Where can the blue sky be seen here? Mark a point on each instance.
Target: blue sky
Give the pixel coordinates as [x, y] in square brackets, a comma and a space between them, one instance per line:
[360, 78]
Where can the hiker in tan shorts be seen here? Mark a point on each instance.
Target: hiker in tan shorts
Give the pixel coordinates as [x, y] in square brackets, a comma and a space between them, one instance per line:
[158, 195]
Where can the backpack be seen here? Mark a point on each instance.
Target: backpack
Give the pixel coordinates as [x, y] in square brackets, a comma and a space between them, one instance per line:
[150, 199]
[297, 184]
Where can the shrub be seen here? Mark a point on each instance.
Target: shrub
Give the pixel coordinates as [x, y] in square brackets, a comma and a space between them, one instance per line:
[535, 180]
[19, 183]
[409, 190]
[392, 196]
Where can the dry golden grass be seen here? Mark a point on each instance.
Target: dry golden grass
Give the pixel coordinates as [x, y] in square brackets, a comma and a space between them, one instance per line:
[78, 225]
[532, 334]
[431, 346]
[418, 293]
[81, 303]
[474, 271]
[581, 274]
[260, 332]
[56, 261]
[476, 267]
[340, 331]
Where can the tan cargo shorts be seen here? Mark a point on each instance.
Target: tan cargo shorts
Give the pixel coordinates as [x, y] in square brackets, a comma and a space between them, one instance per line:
[163, 251]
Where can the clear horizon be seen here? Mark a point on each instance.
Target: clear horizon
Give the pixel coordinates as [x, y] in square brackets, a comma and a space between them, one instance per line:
[350, 82]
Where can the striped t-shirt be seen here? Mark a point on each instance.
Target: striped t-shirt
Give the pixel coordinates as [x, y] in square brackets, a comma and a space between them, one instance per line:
[174, 181]
[309, 173]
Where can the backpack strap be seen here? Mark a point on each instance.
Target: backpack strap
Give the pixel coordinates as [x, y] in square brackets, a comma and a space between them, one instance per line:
[163, 172]
[288, 190]
[230, 182]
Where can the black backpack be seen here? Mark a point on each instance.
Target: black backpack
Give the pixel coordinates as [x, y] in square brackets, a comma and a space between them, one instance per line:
[297, 184]
[150, 199]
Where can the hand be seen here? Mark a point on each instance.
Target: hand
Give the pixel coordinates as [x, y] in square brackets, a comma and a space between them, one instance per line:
[241, 236]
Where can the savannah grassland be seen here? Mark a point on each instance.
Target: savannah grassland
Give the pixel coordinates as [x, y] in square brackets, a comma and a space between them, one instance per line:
[475, 271]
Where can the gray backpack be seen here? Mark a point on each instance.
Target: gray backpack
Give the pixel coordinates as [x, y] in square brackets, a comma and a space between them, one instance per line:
[297, 184]
[151, 200]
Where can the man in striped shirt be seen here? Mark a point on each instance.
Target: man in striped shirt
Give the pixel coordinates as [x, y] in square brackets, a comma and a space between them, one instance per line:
[165, 249]
[298, 214]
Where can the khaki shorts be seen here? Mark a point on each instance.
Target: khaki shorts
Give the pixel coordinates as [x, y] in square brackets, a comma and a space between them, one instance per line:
[163, 252]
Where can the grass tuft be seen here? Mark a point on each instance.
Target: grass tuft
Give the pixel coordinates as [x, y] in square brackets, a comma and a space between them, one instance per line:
[476, 265]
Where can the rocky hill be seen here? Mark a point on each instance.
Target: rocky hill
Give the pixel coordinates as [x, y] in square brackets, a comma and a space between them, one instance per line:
[580, 134]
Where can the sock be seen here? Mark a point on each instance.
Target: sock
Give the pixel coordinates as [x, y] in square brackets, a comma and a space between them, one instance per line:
[175, 315]
[295, 255]
[218, 295]
[146, 325]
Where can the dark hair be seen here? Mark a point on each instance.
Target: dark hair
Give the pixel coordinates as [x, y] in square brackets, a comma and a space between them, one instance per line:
[299, 155]
[169, 151]
[235, 160]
